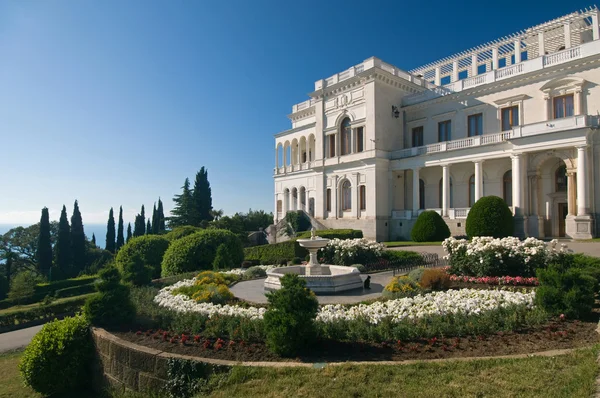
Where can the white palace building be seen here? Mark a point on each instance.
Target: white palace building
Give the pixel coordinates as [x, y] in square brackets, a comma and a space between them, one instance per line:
[517, 117]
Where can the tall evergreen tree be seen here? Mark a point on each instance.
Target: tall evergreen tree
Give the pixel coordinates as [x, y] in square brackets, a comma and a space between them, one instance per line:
[182, 212]
[44, 246]
[128, 232]
[110, 232]
[201, 199]
[161, 216]
[139, 225]
[78, 246]
[120, 238]
[62, 248]
[94, 240]
[148, 228]
[155, 223]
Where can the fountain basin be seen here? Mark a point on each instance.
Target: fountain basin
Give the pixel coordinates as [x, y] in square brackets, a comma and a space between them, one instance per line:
[333, 278]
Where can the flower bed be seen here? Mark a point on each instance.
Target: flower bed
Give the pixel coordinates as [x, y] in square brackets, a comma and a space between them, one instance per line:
[496, 280]
[486, 256]
[351, 251]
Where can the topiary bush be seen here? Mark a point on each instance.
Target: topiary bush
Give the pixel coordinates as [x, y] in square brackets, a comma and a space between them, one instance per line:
[136, 273]
[198, 251]
[429, 227]
[272, 253]
[57, 361]
[181, 232]
[490, 216]
[150, 248]
[290, 319]
[112, 305]
[255, 272]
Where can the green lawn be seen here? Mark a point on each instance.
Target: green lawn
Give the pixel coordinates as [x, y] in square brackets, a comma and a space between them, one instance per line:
[410, 243]
[571, 375]
[28, 306]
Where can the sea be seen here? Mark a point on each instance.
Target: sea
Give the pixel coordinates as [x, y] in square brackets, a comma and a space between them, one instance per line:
[98, 230]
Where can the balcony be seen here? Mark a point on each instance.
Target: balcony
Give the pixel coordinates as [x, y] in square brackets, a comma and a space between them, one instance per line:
[569, 123]
[453, 213]
[546, 61]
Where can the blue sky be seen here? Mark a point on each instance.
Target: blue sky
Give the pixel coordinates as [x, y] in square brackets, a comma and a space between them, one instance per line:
[117, 102]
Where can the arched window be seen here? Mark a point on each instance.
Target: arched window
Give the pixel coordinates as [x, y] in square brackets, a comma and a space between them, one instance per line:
[560, 179]
[346, 196]
[441, 192]
[421, 194]
[472, 190]
[507, 187]
[345, 137]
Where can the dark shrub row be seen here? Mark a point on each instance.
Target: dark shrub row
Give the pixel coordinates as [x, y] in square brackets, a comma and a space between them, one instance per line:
[333, 233]
[271, 254]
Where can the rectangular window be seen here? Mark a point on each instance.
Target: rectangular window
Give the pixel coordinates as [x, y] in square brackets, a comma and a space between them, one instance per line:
[417, 136]
[444, 131]
[563, 106]
[360, 137]
[331, 141]
[475, 124]
[510, 117]
[346, 141]
[279, 206]
[328, 200]
[363, 197]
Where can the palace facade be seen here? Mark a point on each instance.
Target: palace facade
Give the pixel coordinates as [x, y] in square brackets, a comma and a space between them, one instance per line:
[375, 145]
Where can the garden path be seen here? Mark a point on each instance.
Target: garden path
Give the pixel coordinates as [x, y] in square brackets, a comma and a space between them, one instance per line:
[253, 291]
[10, 341]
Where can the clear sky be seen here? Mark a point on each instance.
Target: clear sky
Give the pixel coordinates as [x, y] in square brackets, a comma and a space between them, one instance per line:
[117, 102]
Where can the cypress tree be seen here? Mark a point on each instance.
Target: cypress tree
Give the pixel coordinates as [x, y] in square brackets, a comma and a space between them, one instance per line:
[120, 238]
[94, 240]
[148, 228]
[44, 246]
[128, 232]
[143, 222]
[161, 216]
[139, 226]
[110, 232]
[155, 223]
[181, 213]
[62, 249]
[201, 199]
[78, 246]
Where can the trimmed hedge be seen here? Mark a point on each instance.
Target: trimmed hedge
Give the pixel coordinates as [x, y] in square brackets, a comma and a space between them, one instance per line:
[271, 254]
[333, 233]
[197, 251]
[429, 227]
[51, 289]
[490, 216]
[181, 232]
[68, 306]
[150, 249]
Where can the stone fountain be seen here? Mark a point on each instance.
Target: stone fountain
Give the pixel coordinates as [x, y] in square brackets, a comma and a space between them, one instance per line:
[321, 279]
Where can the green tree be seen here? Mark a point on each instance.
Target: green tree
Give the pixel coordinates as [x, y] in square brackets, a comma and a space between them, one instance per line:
[62, 249]
[139, 226]
[155, 220]
[148, 228]
[181, 213]
[120, 238]
[44, 246]
[128, 232]
[78, 241]
[23, 285]
[94, 245]
[161, 216]
[201, 199]
[110, 232]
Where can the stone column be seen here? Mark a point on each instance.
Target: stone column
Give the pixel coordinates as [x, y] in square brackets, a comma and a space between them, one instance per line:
[454, 71]
[517, 175]
[276, 217]
[285, 202]
[583, 207]
[548, 107]
[355, 195]
[571, 200]
[473, 65]
[478, 179]
[334, 197]
[445, 190]
[438, 79]
[541, 44]
[595, 33]
[416, 198]
[577, 102]
[517, 51]
[567, 33]
[495, 58]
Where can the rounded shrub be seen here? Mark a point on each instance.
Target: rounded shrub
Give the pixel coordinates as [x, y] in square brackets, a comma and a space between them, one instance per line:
[429, 227]
[150, 248]
[290, 319]
[416, 274]
[255, 272]
[435, 279]
[212, 293]
[490, 216]
[198, 251]
[57, 361]
[401, 286]
[181, 232]
[136, 273]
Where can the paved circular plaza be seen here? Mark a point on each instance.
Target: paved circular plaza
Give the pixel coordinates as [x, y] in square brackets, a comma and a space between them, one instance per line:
[253, 291]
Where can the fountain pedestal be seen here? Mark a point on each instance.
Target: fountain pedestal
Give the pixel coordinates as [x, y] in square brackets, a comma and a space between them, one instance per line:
[321, 279]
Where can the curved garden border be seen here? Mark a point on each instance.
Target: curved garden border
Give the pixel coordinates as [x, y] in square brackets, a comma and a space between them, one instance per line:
[125, 365]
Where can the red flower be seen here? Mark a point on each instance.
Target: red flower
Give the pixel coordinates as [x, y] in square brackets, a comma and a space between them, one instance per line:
[196, 339]
[139, 332]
